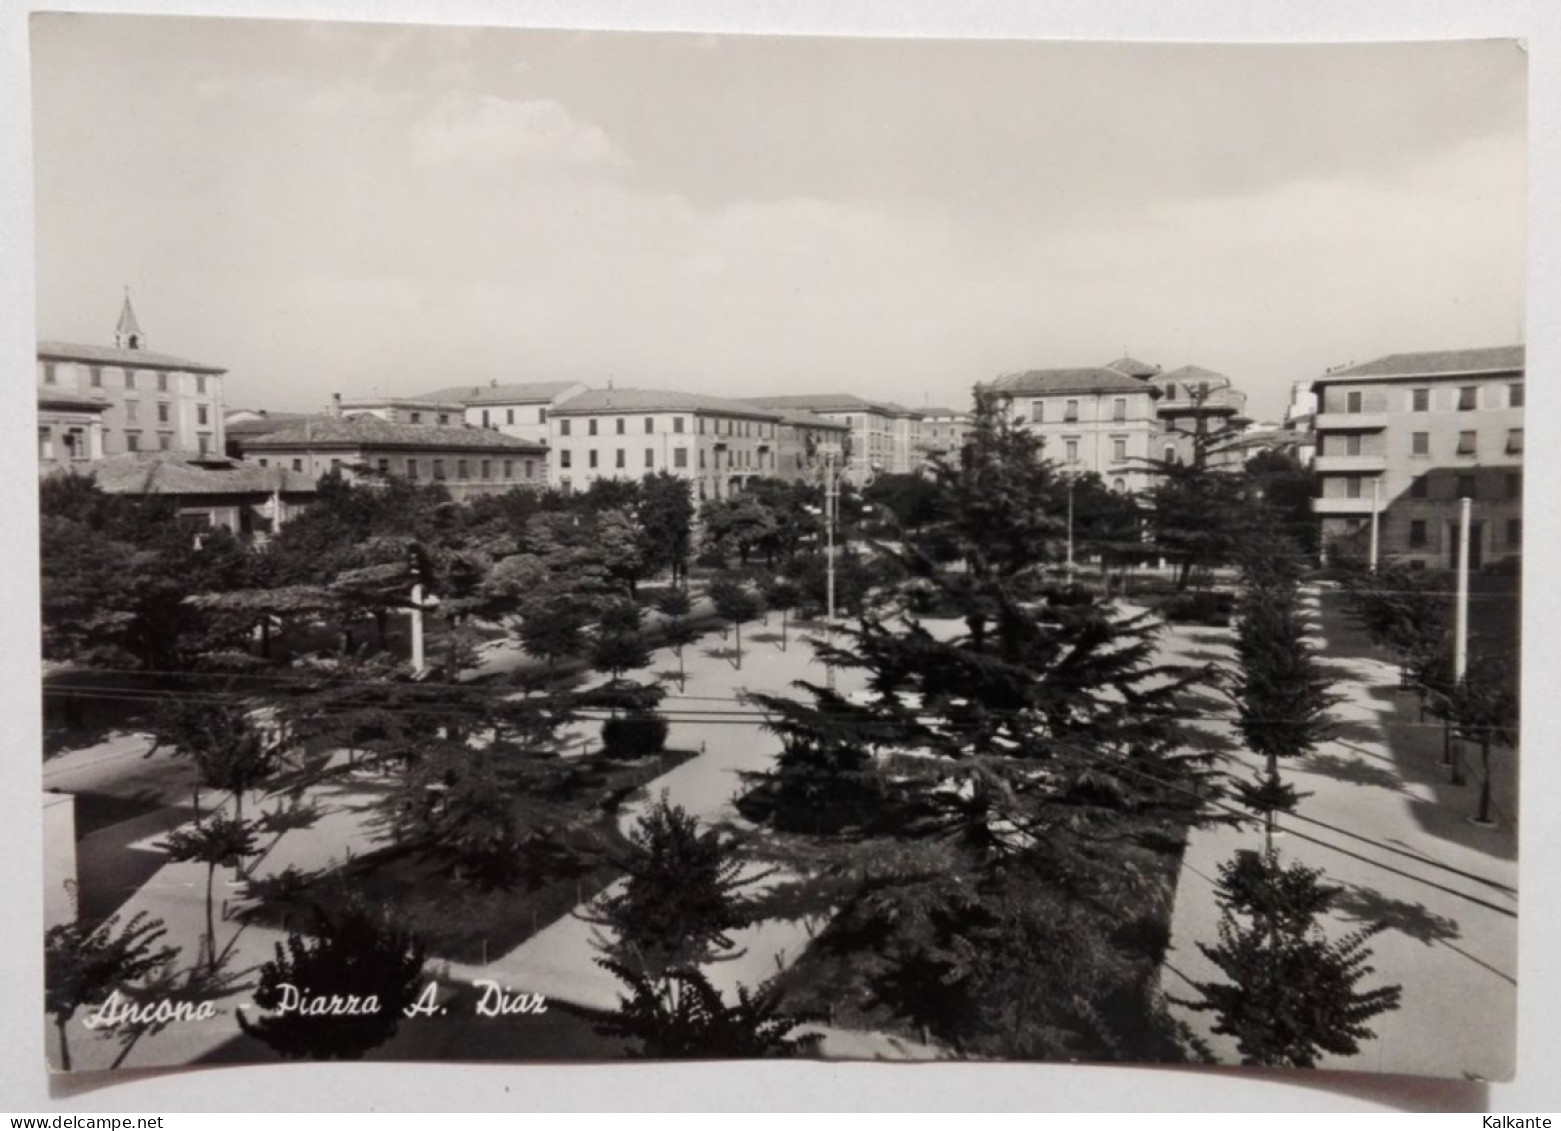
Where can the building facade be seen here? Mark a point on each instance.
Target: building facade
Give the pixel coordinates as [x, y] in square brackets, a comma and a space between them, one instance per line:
[151, 401]
[943, 432]
[885, 437]
[1091, 420]
[515, 410]
[1407, 437]
[719, 445]
[366, 447]
[70, 429]
[403, 410]
[1198, 407]
[805, 442]
[211, 492]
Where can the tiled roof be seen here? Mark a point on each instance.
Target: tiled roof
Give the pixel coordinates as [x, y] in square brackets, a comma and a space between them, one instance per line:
[1051, 382]
[1191, 375]
[181, 473]
[367, 431]
[60, 398]
[803, 419]
[658, 400]
[1496, 359]
[834, 402]
[535, 392]
[271, 422]
[931, 412]
[112, 355]
[1133, 367]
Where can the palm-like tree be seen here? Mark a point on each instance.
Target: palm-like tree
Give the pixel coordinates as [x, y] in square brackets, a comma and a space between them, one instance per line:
[215, 841]
[82, 967]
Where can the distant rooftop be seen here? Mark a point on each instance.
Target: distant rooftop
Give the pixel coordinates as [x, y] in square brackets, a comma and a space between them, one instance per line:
[1191, 375]
[184, 473]
[834, 402]
[267, 423]
[535, 392]
[658, 400]
[1435, 363]
[113, 355]
[364, 430]
[1052, 382]
[804, 419]
[1132, 367]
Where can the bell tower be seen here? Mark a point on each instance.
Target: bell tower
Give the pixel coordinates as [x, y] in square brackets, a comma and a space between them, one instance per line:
[127, 335]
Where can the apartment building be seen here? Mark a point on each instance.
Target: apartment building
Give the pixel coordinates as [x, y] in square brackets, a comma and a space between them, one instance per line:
[1411, 434]
[150, 401]
[943, 432]
[805, 441]
[885, 437]
[717, 444]
[518, 410]
[1198, 407]
[1090, 420]
[365, 446]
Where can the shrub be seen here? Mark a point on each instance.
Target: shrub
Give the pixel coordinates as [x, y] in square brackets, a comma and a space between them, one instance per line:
[634, 735]
[1206, 607]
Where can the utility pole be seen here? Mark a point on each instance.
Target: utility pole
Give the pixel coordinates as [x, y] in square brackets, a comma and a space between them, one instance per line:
[1376, 505]
[417, 562]
[1461, 609]
[831, 504]
[1070, 532]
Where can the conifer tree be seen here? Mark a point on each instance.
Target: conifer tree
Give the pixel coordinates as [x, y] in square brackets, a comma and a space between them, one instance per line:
[83, 965]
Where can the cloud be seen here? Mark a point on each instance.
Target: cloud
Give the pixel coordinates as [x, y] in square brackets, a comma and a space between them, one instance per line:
[487, 131]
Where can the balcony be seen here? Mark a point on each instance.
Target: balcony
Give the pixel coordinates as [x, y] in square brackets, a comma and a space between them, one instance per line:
[1344, 506]
[1350, 421]
[1351, 464]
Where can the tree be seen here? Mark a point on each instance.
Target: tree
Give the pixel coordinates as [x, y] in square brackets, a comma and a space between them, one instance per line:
[682, 896]
[619, 645]
[1288, 486]
[552, 629]
[1484, 708]
[734, 602]
[912, 498]
[82, 965]
[1291, 994]
[781, 594]
[228, 751]
[666, 515]
[356, 956]
[740, 525]
[676, 631]
[689, 1018]
[215, 841]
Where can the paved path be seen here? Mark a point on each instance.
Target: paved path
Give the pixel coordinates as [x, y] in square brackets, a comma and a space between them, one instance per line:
[1446, 889]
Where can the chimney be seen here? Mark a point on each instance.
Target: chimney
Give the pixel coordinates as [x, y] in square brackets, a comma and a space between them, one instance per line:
[335, 404]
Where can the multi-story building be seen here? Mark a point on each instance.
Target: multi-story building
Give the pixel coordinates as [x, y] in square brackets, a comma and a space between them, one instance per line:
[1408, 436]
[1198, 407]
[1094, 419]
[403, 410]
[885, 437]
[515, 410]
[365, 446]
[943, 432]
[805, 441]
[211, 491]
[719, 445]
[70, 430]
[150, 401]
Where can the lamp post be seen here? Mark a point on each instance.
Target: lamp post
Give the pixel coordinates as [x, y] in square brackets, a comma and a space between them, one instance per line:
[1070, 532]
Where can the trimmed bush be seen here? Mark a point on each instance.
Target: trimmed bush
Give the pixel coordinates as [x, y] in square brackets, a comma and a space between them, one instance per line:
[634, 735]
[1206, 607]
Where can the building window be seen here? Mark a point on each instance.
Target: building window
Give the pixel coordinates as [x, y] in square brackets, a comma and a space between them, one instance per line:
[45, 443]
[132, 410]
[701, 459]
[263, 462]
[563, 427]
[203, 443]
[1420, 400]
[200, 413]
[298, 465]
[680, 457]
[701, 425]
[1514, 441]
[485, 423]
[1352, 487]
[564, 458]
[130, 378]
[623, 425]
[1468, 398]
[1515, 395]
[439, 469]
[162, 382]
[1072, 449]
[383, 464]
[487, 469]
[1420, 443]
[650, 425]
[1119, 484]
[590, 460]
[444, 419]
[509, 469]
[590, 426]
[1119, 451]
[462, 470]
[509, 417]
[335, 467]
[1514, 533]
[1464, 487]
[97, 377]
[1417, 532]
[1514, 485]
[531, 469]
[417, 418]
[200, 386]
[48, 373]
[162, 412]
[1038, 412]
[1070, 410]
[1352, 444]
[650, 458]
[133, 444]
[1418, 486]
[541, 416]
[623, 458]
[1170, 453]
[1119, 408]
[1466, 443]
[1352, 401]
[677, 424]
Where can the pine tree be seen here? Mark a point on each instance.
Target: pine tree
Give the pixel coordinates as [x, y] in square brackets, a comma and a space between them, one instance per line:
[82, 965]
[215, 841]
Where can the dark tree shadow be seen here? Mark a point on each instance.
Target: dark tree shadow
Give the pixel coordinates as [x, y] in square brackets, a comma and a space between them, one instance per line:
[1367, 906]
[1355, 771]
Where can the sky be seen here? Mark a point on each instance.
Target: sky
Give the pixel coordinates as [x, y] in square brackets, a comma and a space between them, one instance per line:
[380, 209]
